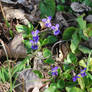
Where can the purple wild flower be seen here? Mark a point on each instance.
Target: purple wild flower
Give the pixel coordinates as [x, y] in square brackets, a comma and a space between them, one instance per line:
[75, 78]
[35, 35]
[83, 74]
[54, 71]
[34, 44]
[84, 69]
[56, 29]
[47, 21]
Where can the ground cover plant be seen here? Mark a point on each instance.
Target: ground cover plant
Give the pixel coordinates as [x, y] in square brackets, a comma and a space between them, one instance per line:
[45, 46]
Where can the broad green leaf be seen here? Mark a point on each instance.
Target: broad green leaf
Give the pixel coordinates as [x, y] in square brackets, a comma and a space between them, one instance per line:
[38, 73]
[27, 43]
[88, 2]
[88, 31]
[60, 8]
[60, 84]
[47, 7]
[49, 40]
[49, 61]
[30, 27]
[90, 65]
[81, 22]
[82, 35]
[21, 28]
[84, 49]
[75, 42]
[90, 90]
[81, 83]
[82, 63]
[89, 75]
[46, 53]
[71, 58]
[67, 75]
[51, 89]
[73, 89]
[67, 34]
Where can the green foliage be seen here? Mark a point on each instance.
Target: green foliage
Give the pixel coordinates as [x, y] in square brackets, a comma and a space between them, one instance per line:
[71, 58]
[21, 28]
[38, 73]
[49, 61]
[73, 89]
[84, 49]
[88, 2]
[68, 33]
[49, 40]
[47, 7]
[81, 83]
[46, 53]
[60, 8]
[75, 42]
[82, 63]
[81, 22]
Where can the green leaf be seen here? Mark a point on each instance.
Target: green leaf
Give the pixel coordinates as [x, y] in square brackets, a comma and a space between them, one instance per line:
[47, 7]
[49, 61]
[75, 42]
[46, 53]
[71, 58]
[90, 90]
[89, 75]
[88, 31]
[84, 49]
[73, 89]
[88, 2]
[82, 63]
[82, 35]
[27, 43]
[81, 22]
[81, 83]
[51, 89]
[67, 34]
[49, 40]
[38, 73]
[60, 8]
[90, 65]
[30, 27]
[21, 28]
[60, 84]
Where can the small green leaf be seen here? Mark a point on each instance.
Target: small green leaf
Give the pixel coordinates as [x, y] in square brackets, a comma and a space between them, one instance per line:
[49, 40]
[71, 58]
[82, 63]
[75, 42]
[38, 73]
[60, 84]
[60, 8]
[81, 83]
[47, 7]
[49, 61]
[30, 27]
[46, 53]
[90, 90]
[51, 89]
[81, 22]
[21, 28]
[84, 49]
[73, 89]
[67, 34]
[90, 65]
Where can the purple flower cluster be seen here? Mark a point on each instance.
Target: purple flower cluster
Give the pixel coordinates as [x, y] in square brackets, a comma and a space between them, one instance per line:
[82, 74]
[35, 40]
[54, 71]
[55, 28]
